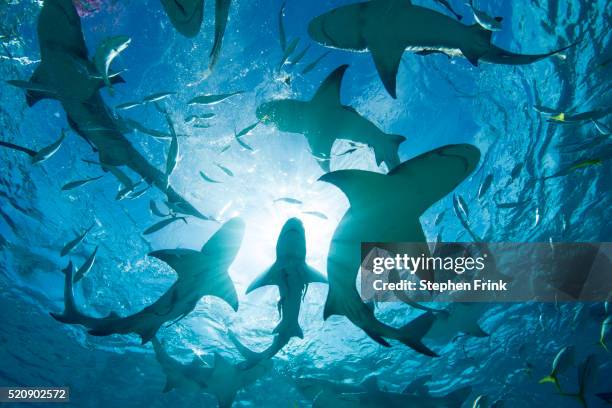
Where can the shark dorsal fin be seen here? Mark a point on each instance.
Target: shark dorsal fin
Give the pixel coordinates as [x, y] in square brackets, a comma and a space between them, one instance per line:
[329, 91]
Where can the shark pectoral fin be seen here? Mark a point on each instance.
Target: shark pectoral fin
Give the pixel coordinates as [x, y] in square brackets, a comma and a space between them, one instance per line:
[412, 333]
[471, 51]
[311, 275]
[169, 386]
[359, 186]
[377, 338]
[271, 276]
[329, 91]
[223, 288]
[477, 331]
[387, 58]
[33, 96]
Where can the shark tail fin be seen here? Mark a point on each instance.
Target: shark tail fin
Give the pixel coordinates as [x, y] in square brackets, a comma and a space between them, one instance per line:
[473, 52]
[389, 153]
[412, 333]
[251, 357]
[552, 378]
[71, 314]
[458, 397]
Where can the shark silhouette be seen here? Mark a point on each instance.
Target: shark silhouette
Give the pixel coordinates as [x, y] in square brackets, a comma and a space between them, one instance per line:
[187, 15]
[200, 273]
[386, 208]
[292, 275]
[223, 379]
[387, 28]
[324, 119]
[66, 74]
[374, 397]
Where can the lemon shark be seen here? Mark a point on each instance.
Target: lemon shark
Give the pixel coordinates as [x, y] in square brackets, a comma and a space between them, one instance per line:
[386, 208]
[324, 119]
[223, 379]
[187, 15]
[387, 28]
[65, 74]
[292, 275]
[200, 273]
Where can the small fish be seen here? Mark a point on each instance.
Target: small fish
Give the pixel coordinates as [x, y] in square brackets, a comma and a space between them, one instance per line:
[482, 401]
[314, 63]
[75, 242]
[140, 193]
[211, 99]
[244, 145]
[288, 52]
[486, 21]
[585, 163]
[157, 97]
[513, 204]
[225, 149]
[484, 187]
[155, 210]
[162, 224]
[128, 105]
[126, 191]
[282, 37]
[545, 110]
[206, 178]
[349, 151]
[173, 152]
[78, 183]
[601, 128]
[246, 130]
[461, 205]
[86, 267]
[606, 333]
[288, 200]
[516, 171]
[560, 117]
[134, 125]
[48, 151]
[106, 52]
[222, 8]
[192, 118]
[299, 56]
[439, 218]
[225, 170]
[316, 214]
[562, 362]
[201, 125]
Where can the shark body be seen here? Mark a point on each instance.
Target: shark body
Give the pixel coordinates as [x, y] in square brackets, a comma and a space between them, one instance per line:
[200, 273]
[292, 275]
[324, 119]
[387, 28]
[386, 208]
[65, 72]
[223, 379]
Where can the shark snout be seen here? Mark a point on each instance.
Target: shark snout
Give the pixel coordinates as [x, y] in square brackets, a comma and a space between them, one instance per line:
[293, 224]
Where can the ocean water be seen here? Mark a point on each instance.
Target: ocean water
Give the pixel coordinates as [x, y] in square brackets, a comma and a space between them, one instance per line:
[439, 101]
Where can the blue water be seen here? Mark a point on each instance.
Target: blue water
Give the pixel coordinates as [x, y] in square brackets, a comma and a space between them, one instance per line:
[439, 102]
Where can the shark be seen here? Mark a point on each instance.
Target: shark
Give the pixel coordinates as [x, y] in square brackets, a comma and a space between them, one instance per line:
[324, 119]
[374, 397]
[200, 273]
[65, 74]
[387, 28]
[292, 275]
[459, 318]
[386, 208]
[223, 379]
[186, 16]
